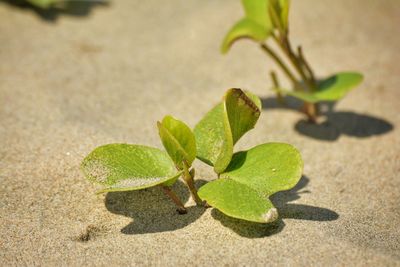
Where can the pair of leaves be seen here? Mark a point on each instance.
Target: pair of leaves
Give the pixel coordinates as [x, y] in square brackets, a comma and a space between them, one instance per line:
[123, 167]
[252, 176]
[248, 178]
[258, 23]
[330, 89]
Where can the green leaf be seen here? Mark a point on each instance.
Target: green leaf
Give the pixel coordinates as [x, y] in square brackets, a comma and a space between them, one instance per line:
[242, 112]
[214, 139]
[123, 167]
[222, 127]
[178, 140]
[238, 200]
[245, 28]
[257, 11]
[266, 168]
[256, 24]
[337, 86]
[330, 89]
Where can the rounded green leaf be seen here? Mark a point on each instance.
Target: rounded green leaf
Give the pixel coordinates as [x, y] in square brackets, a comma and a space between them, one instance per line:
[330, 89]
[337, 86]
[123, 167]
[178, 140]
[244, 28]
[222, 127]
[238, 200]
[266, 168]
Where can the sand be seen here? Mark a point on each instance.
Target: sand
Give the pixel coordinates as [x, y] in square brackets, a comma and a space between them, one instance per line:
[70, 82]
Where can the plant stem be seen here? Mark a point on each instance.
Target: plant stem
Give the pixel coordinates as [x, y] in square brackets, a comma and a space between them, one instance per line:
[310, 110]
[306, 65]
[274, 79]
[188, 176]
[303, 69]
[286, 47]
[276, 84]
[281, 64]
[171, 194]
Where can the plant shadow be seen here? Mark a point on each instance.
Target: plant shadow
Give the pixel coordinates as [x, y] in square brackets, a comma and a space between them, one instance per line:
[286, 211]
[335, 123]
[78, 8]
[151, 210]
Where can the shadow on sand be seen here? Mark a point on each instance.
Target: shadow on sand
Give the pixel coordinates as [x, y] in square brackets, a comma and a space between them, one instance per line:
[292, 211]
[78, 8]
[151, 210]
[335, 124]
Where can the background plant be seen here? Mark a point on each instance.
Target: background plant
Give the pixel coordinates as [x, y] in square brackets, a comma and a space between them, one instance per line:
[269, 19]
[245, 180]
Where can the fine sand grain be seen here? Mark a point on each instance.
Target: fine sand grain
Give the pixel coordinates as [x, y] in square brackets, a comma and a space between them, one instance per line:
[71, 82]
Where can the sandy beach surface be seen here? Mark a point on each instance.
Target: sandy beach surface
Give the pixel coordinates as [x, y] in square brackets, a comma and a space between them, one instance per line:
[71, 81]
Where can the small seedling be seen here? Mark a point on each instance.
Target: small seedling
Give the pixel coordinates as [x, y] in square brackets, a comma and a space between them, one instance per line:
[266, 19]
[245, 179]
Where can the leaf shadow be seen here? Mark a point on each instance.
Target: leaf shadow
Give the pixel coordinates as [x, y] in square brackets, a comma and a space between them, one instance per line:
[289, 102]
[286, 211]
[151, 210]
[78, 8]
[335, 123]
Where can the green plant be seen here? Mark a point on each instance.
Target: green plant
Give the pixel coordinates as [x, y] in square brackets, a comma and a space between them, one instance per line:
[266, 19]
[245, 179]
